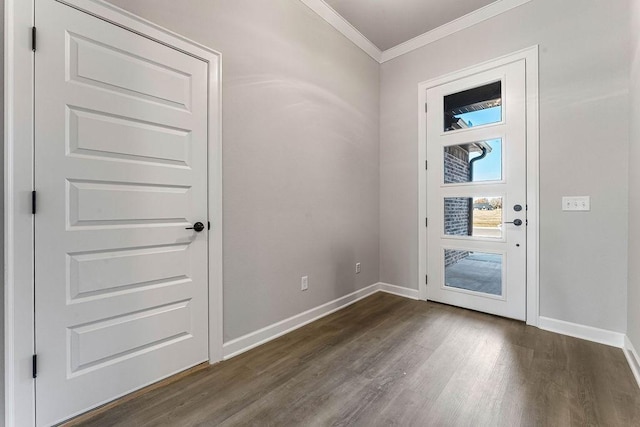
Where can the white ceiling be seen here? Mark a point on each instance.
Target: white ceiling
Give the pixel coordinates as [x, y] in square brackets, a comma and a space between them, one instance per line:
[387, 23]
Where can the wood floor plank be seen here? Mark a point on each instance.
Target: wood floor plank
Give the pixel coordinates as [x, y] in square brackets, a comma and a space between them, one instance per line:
[391, 361]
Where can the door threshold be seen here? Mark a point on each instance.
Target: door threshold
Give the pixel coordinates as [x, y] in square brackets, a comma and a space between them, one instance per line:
[478, 311]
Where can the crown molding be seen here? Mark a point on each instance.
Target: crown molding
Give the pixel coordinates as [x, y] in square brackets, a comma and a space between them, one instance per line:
[336, 20]
[466, 21]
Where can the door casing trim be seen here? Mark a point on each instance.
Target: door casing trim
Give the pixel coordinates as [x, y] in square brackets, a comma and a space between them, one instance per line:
[530, 56]
[19, 141]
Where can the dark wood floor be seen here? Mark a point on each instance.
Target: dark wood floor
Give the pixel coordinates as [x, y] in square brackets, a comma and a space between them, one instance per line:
[387, 360]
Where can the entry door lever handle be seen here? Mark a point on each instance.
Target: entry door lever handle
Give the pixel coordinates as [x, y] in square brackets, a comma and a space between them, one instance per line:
[198, 226]
[516, 222]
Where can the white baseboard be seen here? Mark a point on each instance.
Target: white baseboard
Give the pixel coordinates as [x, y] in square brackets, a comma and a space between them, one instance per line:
[271, 332]
[399, 290]
[632, 358]
[589, 333]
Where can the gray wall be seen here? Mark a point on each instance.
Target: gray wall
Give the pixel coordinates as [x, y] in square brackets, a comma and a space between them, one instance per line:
[584, 76]
[301, 101]
[300, 154]
[633, 315]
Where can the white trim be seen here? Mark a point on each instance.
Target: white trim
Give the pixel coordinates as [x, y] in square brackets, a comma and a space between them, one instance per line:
[18, 221]
[530, 56]
[343, 26]
[526, 54]
[632, 358]
[422, 190]
[262, 336]
[19, 327]
[271, 332]
[589, 333]
[399, 290]
[466, 21]
[533, 186]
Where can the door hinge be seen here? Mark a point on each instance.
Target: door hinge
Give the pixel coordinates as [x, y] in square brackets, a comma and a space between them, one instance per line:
[33, 39]
[426, 222]
[426, 109]
[426, 279]
[208, 225]
[426, 164]
[33, 202]
[34, 365]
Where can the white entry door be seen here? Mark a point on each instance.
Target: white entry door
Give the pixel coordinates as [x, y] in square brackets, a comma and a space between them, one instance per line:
[120, 174]
[476, 192]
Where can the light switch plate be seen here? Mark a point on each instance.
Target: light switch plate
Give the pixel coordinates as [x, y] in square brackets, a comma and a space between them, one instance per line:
[576, 203]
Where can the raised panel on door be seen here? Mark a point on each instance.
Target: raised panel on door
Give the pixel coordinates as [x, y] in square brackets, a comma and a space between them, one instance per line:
[100, 135]
[121, 173]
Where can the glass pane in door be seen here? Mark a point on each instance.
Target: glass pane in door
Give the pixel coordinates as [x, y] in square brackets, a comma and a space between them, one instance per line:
[473, 217]
[473, 271]
[473, 162]
[473, 107]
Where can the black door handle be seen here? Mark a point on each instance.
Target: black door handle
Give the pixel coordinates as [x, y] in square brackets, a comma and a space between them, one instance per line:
[516, 222]
[198, 226]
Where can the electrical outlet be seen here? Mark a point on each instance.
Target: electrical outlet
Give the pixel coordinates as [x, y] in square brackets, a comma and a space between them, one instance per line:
[358, 268]
[304, 283]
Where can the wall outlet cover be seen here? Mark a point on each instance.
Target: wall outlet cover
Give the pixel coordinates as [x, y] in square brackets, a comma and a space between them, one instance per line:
[576, 203]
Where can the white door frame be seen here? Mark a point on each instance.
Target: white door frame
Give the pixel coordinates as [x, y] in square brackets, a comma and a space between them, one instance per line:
[18, 185]
[530, 56]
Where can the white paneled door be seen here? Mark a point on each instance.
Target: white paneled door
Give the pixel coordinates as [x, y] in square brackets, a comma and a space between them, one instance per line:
[121, 179]
[477, 191]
